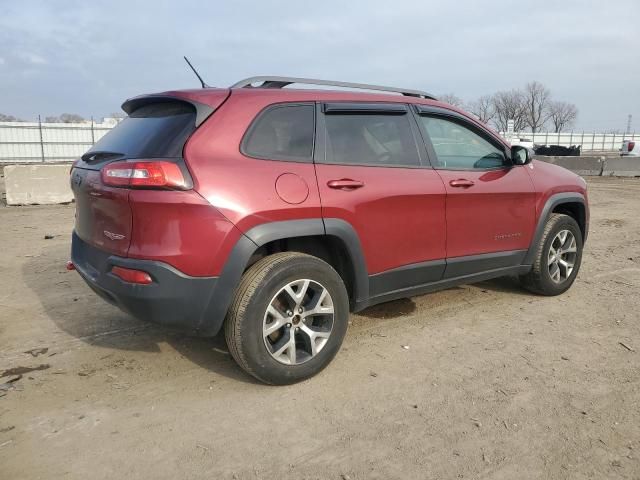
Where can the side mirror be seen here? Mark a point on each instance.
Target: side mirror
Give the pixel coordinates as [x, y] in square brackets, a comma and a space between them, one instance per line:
[520, 155]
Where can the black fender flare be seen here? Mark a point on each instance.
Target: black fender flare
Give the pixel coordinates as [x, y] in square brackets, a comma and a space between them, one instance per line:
[552, 202]
[222, 293]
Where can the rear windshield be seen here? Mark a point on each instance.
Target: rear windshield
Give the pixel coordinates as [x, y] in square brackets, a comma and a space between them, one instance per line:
[152, 131]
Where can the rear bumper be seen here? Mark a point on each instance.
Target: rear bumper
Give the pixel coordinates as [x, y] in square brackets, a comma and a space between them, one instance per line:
[173, 299]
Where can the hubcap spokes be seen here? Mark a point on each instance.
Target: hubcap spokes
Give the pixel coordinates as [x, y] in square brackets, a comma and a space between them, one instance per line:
[298, 322]
[562, 256]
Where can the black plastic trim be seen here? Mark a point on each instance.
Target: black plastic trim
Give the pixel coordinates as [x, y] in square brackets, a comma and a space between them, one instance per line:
[406, 276]
[172, 299]
[472, 264]
[268, 232]
[345, 232]
[362, 108]
[552, 202]
[447, 283]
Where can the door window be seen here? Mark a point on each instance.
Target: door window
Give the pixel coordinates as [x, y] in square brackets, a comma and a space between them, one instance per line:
[370, 139]
[458, 147]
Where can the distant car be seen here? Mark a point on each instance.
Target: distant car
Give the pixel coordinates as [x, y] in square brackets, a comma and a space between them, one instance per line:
[628, 149]
[523, 142]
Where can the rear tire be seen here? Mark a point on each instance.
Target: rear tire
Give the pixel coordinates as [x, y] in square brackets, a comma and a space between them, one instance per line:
[557, 257]
[288, 318]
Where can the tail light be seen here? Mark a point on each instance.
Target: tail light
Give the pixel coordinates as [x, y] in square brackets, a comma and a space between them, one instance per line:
[150, 174]
[131, 275]
[630, 146]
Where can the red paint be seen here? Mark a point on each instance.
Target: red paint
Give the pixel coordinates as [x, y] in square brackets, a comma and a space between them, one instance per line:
[180, 228]
[494, 203]
[398, 213]
[103, 213]
[401, 215]
[291, 188]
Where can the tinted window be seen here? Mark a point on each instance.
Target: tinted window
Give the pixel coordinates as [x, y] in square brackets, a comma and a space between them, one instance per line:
[152, 131]
[458, 147]
[282, 133]
[385, 140]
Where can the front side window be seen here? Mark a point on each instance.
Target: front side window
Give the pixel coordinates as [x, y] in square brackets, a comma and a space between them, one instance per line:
[283, 132]
[458, 147]
[370, 139]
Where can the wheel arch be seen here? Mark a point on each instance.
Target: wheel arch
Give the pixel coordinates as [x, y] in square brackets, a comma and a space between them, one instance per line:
[333, 240]
[570, 203]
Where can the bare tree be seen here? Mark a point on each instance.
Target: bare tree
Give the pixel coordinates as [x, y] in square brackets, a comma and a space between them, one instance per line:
[8, 118]
[483, 108]
[562, 115]
[537, 99]
[451, 99]
[509, 105]
[65, 118]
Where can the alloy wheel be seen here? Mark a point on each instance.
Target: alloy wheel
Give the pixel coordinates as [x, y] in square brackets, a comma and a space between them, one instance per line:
[298, 322]
[562, 256]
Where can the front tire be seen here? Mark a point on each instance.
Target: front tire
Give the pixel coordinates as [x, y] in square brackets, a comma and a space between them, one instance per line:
[557, 258]
[288, 318]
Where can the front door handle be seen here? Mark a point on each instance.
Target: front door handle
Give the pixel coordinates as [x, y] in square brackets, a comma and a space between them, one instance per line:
[461, 183]
[345, 184]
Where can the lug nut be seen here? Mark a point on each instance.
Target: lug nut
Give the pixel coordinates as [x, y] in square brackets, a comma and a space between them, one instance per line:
[300, 310]
[288, 325]
[289, 313]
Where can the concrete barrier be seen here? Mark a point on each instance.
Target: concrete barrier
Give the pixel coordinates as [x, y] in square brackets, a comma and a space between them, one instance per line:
[37, 184]
[622, 167]
[585, 166]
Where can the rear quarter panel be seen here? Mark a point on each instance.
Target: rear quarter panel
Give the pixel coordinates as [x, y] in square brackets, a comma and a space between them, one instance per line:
[243, 189]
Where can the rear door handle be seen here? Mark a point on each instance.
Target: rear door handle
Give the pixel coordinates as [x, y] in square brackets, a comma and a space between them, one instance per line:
[345, 184]
[461, 183]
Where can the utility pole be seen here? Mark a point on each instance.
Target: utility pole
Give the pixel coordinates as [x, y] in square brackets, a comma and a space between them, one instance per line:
[629, 118]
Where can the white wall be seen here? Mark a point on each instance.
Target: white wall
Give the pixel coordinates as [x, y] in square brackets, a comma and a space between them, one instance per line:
[26, 142]
[20, 142]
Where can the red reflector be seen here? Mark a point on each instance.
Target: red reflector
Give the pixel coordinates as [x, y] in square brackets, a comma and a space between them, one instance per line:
[132, 276]
[630, 146]
[70, 265]
[152, 174]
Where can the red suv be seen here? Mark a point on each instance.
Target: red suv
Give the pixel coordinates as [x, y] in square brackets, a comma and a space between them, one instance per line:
[274, 212]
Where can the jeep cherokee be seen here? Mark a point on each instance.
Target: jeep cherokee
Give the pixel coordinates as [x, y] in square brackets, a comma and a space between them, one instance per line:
[273, 212]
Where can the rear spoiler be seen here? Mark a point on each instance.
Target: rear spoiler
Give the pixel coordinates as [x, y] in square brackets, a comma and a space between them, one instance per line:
[202, 111]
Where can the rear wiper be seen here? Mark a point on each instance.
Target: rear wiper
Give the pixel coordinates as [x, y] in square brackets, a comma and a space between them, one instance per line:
[100, 155]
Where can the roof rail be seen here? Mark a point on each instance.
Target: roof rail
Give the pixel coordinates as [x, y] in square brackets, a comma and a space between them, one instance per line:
[280, 82]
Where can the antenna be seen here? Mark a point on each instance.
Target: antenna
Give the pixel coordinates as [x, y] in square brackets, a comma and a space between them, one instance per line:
[204, 85]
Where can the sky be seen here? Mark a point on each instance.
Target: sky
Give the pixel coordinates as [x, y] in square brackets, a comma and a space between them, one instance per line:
[87, 57]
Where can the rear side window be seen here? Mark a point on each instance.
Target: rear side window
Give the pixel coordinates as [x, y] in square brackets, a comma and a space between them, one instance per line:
[283, 132]
[370, 139]
[157, 130]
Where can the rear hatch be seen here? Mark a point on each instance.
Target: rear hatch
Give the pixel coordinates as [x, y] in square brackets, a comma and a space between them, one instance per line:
[156, 128]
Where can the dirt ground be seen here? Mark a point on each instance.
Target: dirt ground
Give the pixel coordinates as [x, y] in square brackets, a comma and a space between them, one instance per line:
[495, 383]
